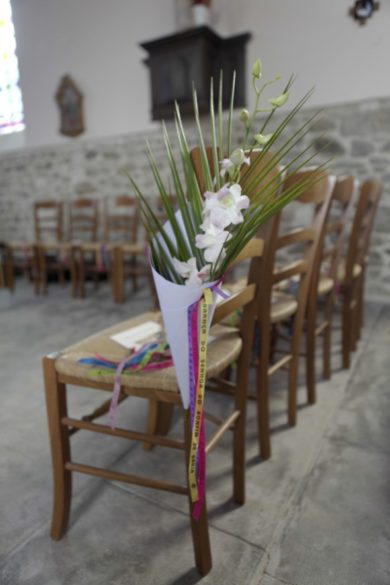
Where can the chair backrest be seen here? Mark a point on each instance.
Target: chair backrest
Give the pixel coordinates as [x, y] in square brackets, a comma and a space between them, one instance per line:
[337, 225]
[362, 226]
[48, 221]
[308, 239]
[247, 299]
[83, 220]
[121, 219]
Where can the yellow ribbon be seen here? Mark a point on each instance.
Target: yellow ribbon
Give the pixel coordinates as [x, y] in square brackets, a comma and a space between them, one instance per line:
[205, 303]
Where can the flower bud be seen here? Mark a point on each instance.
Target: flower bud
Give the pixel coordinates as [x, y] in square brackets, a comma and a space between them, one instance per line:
[262, 138]
[256, 69]
[237, 157]
[244, 115]
[278, 102]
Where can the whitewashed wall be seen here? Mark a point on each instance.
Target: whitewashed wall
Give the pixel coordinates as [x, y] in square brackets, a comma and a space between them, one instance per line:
[318, 41]
[96, 41]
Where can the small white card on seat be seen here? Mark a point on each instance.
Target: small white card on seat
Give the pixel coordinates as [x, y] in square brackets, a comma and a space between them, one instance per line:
[137, 336]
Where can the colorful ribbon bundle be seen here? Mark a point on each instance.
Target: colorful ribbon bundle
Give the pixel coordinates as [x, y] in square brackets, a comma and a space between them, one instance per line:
[154, 355]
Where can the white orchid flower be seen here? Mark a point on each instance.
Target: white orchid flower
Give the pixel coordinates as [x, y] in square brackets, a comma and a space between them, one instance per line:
[185, 269]
[224, 207]
[212, 242]
[236, 160]
[189, 271]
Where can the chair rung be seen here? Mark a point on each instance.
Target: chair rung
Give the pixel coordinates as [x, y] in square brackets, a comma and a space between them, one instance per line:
[282, 362]
[124, 433]
[222, 429]
[324, 325]
[127, 478]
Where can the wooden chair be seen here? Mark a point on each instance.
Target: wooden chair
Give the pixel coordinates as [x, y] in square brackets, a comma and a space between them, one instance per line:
[276, 308]
[122, 222]
[48, 253]
[230, 345]
[352, 275]
[87, 251]
[323, 289]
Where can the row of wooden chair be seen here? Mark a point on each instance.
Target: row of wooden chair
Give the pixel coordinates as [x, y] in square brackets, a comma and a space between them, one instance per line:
[329, 259]
[118, 254]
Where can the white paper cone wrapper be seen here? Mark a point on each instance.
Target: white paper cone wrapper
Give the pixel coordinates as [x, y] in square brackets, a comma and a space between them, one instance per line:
[174, 302]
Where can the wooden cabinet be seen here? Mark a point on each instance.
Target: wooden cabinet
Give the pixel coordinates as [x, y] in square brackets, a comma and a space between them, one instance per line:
[195, 55]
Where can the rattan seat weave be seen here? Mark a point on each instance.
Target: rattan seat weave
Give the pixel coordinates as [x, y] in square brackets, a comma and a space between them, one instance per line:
[222, 351]
[357, 270]
[325, 285]
[283, 306]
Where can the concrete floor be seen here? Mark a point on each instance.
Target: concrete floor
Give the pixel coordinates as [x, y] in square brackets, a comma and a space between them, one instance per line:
[317, 513]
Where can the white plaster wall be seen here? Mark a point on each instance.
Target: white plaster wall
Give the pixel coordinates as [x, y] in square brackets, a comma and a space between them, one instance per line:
[96, 41]
[317, 41]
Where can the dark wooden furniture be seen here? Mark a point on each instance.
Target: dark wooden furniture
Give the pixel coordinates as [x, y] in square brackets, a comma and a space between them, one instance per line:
[194, 56]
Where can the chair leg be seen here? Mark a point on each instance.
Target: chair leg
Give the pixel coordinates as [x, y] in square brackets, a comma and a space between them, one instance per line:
[292, 392]
[239, 435]
[327, 338]
[361, 306]
[310, 360]
[73, 274]
[118, 276]
[43, 271]
[346, 329]
[262, 382]
[36, 270]
[200, 530]
[60, 448]
[293, 374]
[159, 420]
[81, 275]
[134, 262]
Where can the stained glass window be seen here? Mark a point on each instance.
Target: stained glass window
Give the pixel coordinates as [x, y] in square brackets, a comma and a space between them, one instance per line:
[11, 104]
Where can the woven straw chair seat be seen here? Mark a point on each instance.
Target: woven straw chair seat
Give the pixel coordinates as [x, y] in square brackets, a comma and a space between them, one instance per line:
[283, 306]
[357, 270]
[222, 352]
[16, 246]
[93, 246]
[325, 285]
[55, 246]
[133, 248]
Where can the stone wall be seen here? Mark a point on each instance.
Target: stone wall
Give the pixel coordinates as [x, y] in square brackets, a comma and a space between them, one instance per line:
[357, 136]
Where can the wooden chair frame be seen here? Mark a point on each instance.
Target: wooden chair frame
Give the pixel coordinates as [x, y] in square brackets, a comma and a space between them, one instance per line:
[61, 426]
[311, 237]
[352, 288]
[47, 229]
[329, 257]
[84, 218]
[125, 227]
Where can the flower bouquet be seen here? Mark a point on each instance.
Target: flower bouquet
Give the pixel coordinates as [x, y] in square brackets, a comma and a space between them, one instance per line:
[192, 251]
